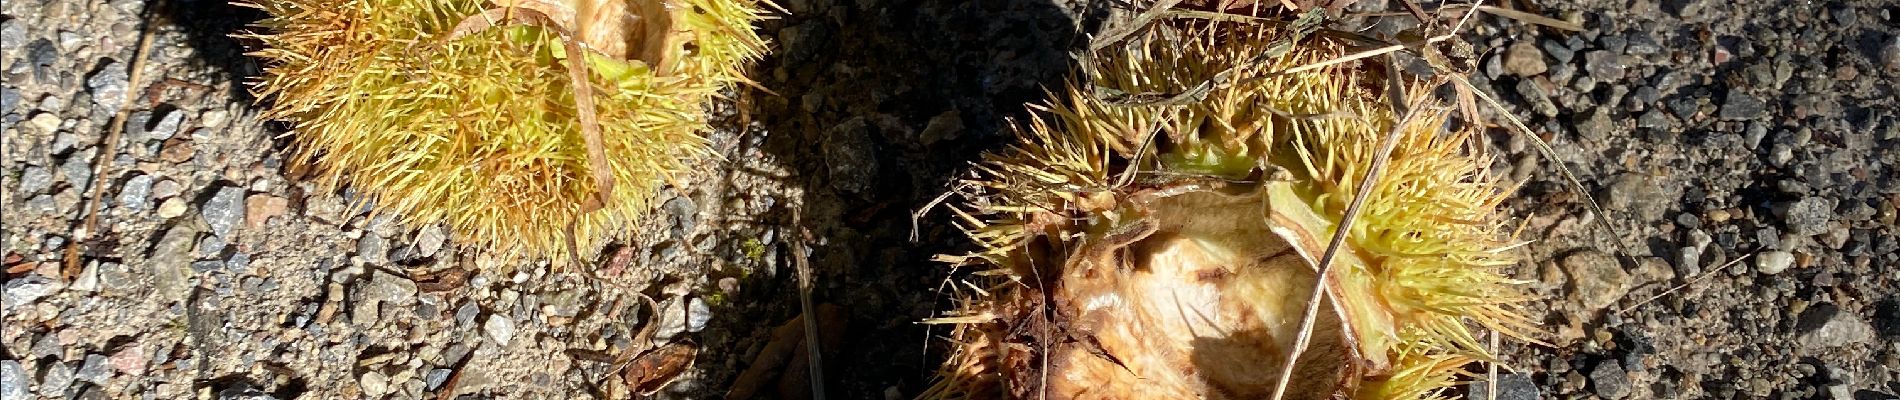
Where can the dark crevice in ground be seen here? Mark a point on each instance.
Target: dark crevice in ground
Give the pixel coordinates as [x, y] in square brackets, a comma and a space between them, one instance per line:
[878, 106]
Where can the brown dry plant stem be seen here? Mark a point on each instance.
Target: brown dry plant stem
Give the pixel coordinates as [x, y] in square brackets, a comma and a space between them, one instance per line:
[1338, 240]
[805, 305]
[583, 102]
[103, 165]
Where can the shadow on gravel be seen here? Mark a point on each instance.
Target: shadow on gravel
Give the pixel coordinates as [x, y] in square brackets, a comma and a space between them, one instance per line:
[879, 105]
[208, 26]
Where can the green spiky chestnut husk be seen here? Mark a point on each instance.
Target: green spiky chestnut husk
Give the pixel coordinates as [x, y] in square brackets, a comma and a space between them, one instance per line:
[479, 130]
[1168, 250]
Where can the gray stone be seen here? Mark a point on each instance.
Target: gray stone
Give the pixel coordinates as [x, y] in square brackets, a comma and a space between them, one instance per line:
[13, 380]
[1825, 326]
[114, 275]
[53, 242]
[499, 328]
[136, 192]
[1774, 262]
[1584, 84]
[697, 314]
[380, 291]
[107, 85]
[166, 188]
[1597, 126]
[224, 211]
[12, 34]
[57, 378]
[429, 240]
[95, 370]
[684, 213]
[1739, 106]
[1510, 387]
[167, 124]
[48, 346]
[1808, 216]
[1603, 65]
[1654, 119]
[1524, 59]
[1688, 262]
[1538, 98]
[169, 259]
[28, 289]
[1780, 155]
[239, 261]
[435, 378]
[373, 249]
[851, 156]
[1637, 194]
[945, 126]
[1597, 280]
[1609, 381]
[454, 353]
[243, 391]
[1558, 51]
[35, 179]
[1641, 43]
[1769, 238]
[77, 169]
[466, 314]
[211, 247]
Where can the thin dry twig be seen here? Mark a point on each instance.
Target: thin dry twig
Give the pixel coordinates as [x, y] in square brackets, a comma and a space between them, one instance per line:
[103, 165]
[1379, 159]
[804, 302]
[1549, 22]
[1550, 154]
[1698, 278]
[1140, 23]
[1332, 249]
[577, 73]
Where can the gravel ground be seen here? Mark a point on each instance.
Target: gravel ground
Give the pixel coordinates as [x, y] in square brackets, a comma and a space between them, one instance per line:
[1746, 154]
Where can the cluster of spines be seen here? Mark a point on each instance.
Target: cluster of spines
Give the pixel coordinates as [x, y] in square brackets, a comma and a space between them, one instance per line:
[480, 132]
[1428, 236]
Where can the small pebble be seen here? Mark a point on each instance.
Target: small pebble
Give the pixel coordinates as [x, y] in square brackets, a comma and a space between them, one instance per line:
[57, 378]
[136, 193]
[374, 383]
[1518, 386]
[94, 370]
[1609, 381]
[166, 125]
[224, 210]
[171, 208]
[500, 329]
[107, 85]
[435, 378]
[13, 380]
[1774, 262]
[35, 179]
[26, 290]
[1808, 216]
[1740, 106]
